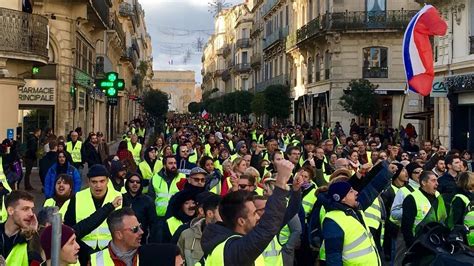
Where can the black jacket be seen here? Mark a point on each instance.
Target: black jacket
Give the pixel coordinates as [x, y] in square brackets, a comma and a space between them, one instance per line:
[46, 162]
[245, 250]
[31, 147]
[91, 155]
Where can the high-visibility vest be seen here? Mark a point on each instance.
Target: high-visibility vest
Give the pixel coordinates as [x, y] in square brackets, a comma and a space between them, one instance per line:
[284, 235]
[234, 156]
[132, 130]
[52, 203]
[425, 213]
[272, 253]
[174, 147]
[136, 151]
[326, 176]
[468, 218]
[309, 200]
[3, 180]
[173, 224]
[217, 188]
[101, 236]
[163, 192]
[141, 132]
[231, 146]
[373, 214]
[18, 255]
[359, 247]
[146, 171]
[406, 190]
[216, 258]
[75, 151]
[207, 150]
[194, 157]
[103, 258]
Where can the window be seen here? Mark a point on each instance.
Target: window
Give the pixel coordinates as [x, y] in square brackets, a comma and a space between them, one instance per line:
[327, 65]
[244, 57]
[310, 70]
[245, 84]
[375, 62]
[84, 59]
[318, 67]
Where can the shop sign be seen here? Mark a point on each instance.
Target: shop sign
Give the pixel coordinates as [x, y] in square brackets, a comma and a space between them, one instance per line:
[439, 88]
[37, 92]
[10, 133]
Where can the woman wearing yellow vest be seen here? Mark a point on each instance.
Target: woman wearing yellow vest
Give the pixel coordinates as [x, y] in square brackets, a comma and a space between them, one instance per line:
[462, 206]
[68, 254]
[150, 166]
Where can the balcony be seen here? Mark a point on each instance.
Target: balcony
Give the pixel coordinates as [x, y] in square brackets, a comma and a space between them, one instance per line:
[242, 67]
[374, 72]
[269, 6]
[278, 80]
[243, 43]
[356, 21]
[126, 9]
[227, 50]
[278, 35]
[256, 29]
[226, 75]
[131, 56]
[256, 60]
[471, 40]
[220, 51]
[291, 41]
[117, 27]
[218, 72]
[102, 9]
[24, 36]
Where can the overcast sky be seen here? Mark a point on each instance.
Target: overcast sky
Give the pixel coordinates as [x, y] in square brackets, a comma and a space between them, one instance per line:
[175, 27]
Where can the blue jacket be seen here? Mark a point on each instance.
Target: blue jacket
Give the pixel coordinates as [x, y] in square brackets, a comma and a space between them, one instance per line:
[50, 179]
[332, 233]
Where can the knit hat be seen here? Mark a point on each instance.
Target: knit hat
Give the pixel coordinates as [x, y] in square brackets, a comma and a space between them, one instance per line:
[46, 238]
[338, 191]
[239, 145]
[117, 166]
[411, 167]
[399, 170]
[97, 170]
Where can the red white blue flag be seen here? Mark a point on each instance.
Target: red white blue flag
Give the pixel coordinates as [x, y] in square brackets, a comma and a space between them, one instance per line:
[205, 114]
[417, 50]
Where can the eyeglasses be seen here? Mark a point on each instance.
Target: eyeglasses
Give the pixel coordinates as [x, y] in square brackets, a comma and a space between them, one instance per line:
[134, 181]
[135, 229]
[417, 172]
[244, 186]
[199, 180]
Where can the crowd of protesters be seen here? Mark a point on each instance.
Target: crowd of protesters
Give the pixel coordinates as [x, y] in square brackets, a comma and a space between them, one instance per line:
[221, 192]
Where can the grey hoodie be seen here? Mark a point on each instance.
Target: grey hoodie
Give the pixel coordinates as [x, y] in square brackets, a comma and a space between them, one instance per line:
[244, 250]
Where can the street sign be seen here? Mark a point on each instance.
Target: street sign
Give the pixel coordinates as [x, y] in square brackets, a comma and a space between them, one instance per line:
[10, 132]
[112, 101]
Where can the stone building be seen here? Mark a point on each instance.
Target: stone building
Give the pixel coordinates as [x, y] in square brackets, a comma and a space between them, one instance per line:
[180, 87]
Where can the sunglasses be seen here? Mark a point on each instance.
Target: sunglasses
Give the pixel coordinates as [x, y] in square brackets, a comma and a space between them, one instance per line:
[244, 186]
[417, 172]
[199, 180]
[134, 181]
[135, 229]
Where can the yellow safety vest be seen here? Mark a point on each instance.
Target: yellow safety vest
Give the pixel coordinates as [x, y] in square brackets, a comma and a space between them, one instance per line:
[18, 256]
[272, 254]
[173, 224]
[100, 237]
[3, 180]
[405, 191]
[52, 203]
[163, 192]
[147, 173]
[103, 258]
[141, 132]
[373, 214]
[216, 258]
[75, 151]
[193, 158]
[468, 218]
[359, 247]
[309, 200]
[425, 213]
[207, 150]
[136, 151]
[234, 156]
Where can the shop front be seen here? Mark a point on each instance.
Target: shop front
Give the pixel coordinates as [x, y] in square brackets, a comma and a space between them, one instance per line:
[37, 101]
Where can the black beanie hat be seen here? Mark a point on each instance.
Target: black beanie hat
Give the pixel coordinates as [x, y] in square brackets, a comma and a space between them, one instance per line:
[97, 170]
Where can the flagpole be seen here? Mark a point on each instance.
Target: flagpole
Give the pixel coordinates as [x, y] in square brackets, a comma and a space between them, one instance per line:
[402, 107]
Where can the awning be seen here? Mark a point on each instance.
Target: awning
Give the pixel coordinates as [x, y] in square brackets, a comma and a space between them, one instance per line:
[419, 115]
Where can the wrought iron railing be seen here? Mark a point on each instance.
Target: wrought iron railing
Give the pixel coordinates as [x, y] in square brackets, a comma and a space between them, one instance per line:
[471, 50]
[280, 34]
[243, 43]
[278, 80]
[356, 20]
[374, 72]
[269, 6]
[226, 75]
[23, 33]
[117, 26]
[103, 10]
[131, 55]
[291, 40]
[242, 67]
[256, 59]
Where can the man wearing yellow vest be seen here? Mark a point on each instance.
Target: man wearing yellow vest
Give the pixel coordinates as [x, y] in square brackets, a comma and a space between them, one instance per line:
[243, 237]
[141, 133]
[87, 201]
[423, 206]
[126, 238]
[21, 219]
[163, 185]
[74, 147]
[135, 148]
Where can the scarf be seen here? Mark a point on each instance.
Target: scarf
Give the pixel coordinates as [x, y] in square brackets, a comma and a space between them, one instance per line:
[125, 257]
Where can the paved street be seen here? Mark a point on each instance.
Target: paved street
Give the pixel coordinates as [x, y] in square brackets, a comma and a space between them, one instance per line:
[36, 183]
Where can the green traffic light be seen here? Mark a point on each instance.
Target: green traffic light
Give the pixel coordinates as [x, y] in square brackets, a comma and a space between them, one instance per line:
[112, 77]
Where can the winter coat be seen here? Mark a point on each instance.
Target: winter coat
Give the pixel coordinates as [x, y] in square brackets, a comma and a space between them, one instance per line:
[190, 241]
[51, 176]
[46, 162]
[91, 155]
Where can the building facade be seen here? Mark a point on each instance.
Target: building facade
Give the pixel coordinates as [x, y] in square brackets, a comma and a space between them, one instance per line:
[180, 87]
[452, 99]
[83, 40]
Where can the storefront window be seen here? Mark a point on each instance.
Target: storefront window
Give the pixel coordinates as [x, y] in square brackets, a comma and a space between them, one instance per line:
[31, 118]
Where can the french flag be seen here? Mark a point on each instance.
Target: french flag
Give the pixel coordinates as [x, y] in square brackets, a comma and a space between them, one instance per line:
[205, 114]
[417, 50]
